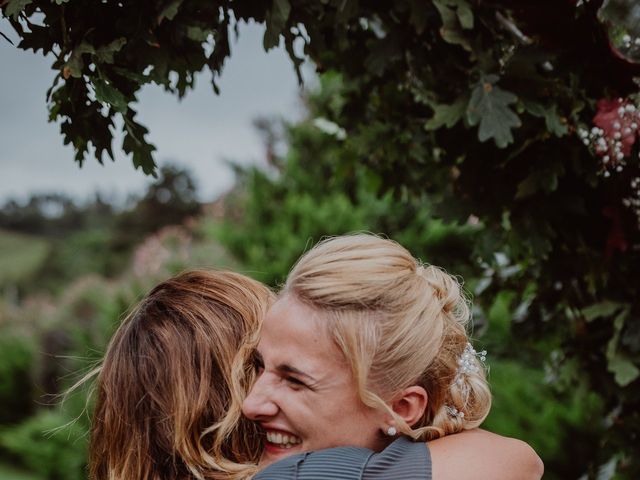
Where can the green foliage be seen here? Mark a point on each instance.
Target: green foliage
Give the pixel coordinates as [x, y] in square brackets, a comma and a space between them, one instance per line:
[447, 115]
[299, 222]
[489, 107]
[276, 20]
[14, 7]
[16, 379]
[524, 402]
[10, 473]
[300, 203]
[89, 315]
[42, 446]
[81, 253]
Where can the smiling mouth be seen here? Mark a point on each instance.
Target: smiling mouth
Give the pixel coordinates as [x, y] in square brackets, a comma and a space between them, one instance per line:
[282, 440]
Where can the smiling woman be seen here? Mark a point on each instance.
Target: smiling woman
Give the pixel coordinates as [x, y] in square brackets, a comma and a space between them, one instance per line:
[364, 343]
[305, 392]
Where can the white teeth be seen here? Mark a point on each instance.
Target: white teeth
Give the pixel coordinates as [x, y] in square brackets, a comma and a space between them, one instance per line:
[284, 440]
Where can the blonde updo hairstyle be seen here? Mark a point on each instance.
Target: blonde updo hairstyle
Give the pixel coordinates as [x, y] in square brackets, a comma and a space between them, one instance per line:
[398, 323]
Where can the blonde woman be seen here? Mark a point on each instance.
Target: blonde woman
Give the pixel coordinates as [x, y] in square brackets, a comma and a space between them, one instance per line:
[367, 347]
[170, 388]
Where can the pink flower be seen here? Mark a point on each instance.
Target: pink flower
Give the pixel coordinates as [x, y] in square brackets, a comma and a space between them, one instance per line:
[619, 120]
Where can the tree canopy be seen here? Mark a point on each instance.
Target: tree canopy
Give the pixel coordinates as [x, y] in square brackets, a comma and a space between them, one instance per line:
[520, 115]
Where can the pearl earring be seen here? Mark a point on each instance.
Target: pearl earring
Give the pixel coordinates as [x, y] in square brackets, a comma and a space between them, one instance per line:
[391, 431]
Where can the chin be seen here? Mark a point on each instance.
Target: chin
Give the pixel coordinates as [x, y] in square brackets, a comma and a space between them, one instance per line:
[272, 454]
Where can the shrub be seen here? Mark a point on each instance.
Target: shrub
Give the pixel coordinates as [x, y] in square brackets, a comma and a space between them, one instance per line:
[527, 406]
[16, 391]
[40, 445]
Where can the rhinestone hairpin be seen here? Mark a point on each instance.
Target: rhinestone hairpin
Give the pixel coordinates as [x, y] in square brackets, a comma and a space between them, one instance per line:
[454, 412]
[467, 364]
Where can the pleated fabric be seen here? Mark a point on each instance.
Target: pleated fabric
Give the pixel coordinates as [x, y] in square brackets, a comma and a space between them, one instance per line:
[402, 460]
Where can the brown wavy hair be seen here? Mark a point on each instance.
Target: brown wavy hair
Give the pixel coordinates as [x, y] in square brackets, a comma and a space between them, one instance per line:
[170, 387]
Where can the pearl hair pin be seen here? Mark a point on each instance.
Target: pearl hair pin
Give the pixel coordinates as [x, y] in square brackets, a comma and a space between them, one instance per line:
[467, 365]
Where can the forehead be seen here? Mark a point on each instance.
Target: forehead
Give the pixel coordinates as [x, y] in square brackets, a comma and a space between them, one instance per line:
[294, 333]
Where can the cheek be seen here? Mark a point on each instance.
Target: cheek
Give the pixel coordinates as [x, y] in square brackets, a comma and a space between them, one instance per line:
[349, 403]
[361, 423]
[298, 408]
[318, 418]
[349, 411]
[354, 428]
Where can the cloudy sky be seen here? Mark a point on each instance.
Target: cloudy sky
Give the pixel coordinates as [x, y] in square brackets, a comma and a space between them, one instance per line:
[199, 132]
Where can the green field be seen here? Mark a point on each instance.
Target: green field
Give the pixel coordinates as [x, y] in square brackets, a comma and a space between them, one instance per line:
[20, 255]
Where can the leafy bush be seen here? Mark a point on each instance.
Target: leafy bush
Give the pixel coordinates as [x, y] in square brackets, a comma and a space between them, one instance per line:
[43, 447]
[274, 216]
[16, 379]
[80, 253]
[526, 405]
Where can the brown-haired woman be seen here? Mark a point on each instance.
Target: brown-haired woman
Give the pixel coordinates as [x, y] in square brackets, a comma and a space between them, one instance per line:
[170, 387]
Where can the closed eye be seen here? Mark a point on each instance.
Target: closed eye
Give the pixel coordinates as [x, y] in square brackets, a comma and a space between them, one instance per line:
[295, 381]
[292, 376]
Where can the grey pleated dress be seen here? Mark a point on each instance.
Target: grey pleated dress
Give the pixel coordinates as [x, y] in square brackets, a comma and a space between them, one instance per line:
[402, 460]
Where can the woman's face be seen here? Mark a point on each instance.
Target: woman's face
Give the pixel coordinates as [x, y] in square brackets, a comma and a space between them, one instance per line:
[305, 397]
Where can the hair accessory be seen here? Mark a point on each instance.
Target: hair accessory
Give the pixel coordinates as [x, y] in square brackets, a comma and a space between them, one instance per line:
[467, 364]
[391, 431]
[454, 412]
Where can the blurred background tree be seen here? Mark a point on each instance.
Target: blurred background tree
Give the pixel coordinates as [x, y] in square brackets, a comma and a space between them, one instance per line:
[496, 139]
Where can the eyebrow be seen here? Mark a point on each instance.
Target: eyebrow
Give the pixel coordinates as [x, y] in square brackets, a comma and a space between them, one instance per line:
[285, 368]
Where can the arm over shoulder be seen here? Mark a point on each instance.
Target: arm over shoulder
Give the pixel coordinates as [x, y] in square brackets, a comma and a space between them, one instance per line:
[403, 459]
[477, 454]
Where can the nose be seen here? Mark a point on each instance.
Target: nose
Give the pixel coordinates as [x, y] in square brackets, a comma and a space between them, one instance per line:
[260, 403]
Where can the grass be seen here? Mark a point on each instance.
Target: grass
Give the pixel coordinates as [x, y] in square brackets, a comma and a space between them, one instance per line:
[20, 255]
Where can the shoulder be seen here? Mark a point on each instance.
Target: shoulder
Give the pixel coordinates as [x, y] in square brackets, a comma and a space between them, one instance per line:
[404, 458]
[477, 453]
[340, 463]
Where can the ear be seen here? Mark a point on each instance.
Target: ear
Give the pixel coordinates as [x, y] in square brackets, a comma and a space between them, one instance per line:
[410, 404]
